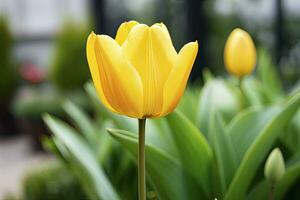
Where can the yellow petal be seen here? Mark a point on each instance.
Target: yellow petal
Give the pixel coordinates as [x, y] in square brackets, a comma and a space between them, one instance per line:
[151, 52]
[166, 37]
[120, 81]
[124, 30]
[94, 69]
[239, 53]
[178, 78]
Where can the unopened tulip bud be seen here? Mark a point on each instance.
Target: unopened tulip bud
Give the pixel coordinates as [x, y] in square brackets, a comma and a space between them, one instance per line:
[239, 53]
[274, 167]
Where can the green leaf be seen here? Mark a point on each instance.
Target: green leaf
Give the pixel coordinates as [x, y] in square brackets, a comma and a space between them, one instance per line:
[188, 103]
[161, 168]
[259, 192]
[253, 91]
[260, 147]
[292, 137]
[291, 175]
[72, 163]
[270, 80]
[80, 150]
[246, 126]
[218, 96]
[223, 150]
[195, 153]
[82, 121]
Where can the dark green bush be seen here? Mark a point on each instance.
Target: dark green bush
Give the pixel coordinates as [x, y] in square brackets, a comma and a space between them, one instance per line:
[52, 183]
[6, 67]
[32, 101]
[69, 69]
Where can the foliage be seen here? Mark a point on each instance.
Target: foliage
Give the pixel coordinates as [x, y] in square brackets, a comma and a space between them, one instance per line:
[51, 183]
[69, 69]
[90, 155]
[32, 101]
[214, 146]
[7, 81]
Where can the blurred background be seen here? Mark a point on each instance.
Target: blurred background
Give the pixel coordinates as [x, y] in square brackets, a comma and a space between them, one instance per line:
[42, 57]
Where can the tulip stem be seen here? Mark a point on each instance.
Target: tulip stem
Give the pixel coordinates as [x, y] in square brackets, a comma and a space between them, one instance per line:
[272, 191]
[241, 78]
[141, 160]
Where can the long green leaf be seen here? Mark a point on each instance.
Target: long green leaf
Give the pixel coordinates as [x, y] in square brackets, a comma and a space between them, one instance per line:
[81, 120]
[246, 127]
[269, 76]
[292, 137]
[195, 153]
[160, 167]
[69, 160]
[216, 95]
[223, 151]
[291, 175]
[188, 103]
[80, 151]
[259, 149]
[254, 92]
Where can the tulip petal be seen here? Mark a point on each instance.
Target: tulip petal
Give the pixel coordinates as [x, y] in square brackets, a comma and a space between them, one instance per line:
[120, 81]
[94, 69]
[124, 30]
[178, 78]
[162, 29]
[151, 52]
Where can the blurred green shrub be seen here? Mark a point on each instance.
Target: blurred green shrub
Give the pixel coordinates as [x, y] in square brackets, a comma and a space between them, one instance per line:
[69, 69]
[32, 101]
[6, 67]
[53, 182]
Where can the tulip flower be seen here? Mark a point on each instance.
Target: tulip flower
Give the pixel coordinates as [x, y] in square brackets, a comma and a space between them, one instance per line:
[239, 53]
[139, 74]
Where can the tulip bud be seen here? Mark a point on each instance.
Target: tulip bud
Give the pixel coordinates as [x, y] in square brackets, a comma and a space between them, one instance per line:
[239, 53]
[274, 167]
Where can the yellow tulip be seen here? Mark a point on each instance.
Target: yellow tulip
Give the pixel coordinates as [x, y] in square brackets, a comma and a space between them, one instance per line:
[239, 53]
[139, 73]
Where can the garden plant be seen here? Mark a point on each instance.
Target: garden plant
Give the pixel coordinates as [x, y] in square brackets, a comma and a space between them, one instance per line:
[216, 144]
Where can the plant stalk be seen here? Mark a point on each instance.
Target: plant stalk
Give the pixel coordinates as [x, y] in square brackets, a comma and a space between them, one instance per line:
[272, 191]
[141, 160]
[241, 78]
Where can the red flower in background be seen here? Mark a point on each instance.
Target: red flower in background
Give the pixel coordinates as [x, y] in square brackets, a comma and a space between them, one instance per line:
[32, 73]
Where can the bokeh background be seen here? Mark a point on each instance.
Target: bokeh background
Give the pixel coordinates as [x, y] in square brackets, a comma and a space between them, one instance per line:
[43, 62]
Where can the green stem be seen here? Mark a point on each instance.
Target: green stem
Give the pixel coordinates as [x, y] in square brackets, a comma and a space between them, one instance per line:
[141, 160]
[241, 85]
[242, 90]
[272, 191]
